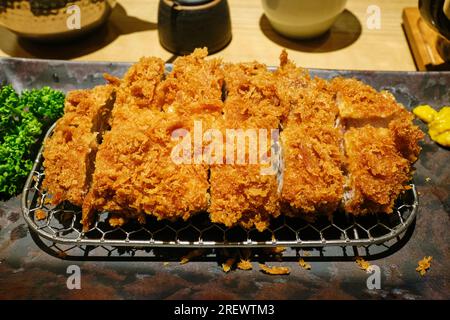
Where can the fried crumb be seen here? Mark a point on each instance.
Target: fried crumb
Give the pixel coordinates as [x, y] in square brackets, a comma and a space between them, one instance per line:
[116, 221]
[278, 250]
[62, 254]
[306, 253]
[424, 265]
[226, 267]
[304, 264]
[274, 270]
[363, 264]
[40, 215]
[427, 179]
[191, 255]
[244, 265]
[47, 200]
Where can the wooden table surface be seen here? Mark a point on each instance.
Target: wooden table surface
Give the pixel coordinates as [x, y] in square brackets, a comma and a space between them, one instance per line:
[132, 32]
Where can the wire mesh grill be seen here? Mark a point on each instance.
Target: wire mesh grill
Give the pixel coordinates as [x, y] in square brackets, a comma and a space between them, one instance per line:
[61, 224]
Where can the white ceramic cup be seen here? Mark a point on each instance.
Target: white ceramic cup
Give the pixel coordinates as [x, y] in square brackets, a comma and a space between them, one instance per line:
[302, 19]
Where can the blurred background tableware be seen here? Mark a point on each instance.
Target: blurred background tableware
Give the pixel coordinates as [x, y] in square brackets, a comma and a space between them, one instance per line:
[302, 19]
[46, 20]
[184, 25]
[427, 29]
[437, 14]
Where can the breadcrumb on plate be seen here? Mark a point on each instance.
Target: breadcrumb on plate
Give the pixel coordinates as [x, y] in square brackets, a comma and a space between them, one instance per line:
[192, 255]
[362, 264]
[305, 265]
[424, 265]
[274, 270]
[244, 265]
[40, 214]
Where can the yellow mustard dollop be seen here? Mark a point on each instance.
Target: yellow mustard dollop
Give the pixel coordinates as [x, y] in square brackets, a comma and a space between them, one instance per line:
[425, 113]
[438, 123]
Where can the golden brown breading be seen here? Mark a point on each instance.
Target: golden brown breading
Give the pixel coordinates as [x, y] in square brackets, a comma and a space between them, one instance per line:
[377, 172]
[135, 173]
[194, 86]
[70, 151]
[360, 104]
[406, 136]
[137, 90]
[252, 92]
[312, 178]
[240, 193]
[359, 101]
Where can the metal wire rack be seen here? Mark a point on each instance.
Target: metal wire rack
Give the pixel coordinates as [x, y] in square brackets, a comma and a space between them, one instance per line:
[61, 224]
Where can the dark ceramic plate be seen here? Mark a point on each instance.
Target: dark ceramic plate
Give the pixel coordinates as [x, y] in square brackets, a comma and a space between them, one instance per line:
[410, 88]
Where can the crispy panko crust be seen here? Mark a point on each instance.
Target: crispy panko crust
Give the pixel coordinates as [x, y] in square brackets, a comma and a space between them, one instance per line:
[135, 173]
[406, 136]
[194, 86]
[70, 151]
[154, 184]
[377, 172]
[343, 143]
[360, 104]
[252, 94]
[240, 194]
[137, 90]
[359, 101]
[312, 178]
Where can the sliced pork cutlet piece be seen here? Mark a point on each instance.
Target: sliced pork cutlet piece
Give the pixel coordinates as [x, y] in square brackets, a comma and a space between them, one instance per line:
[138, 89]
[70, 151]
[136, 175]
[360, 104]
[243, 190]
[252, 96]
[241, 195]
[377, 171]
[311, 143]
[194, 86]
[312, 179]
[246, 193]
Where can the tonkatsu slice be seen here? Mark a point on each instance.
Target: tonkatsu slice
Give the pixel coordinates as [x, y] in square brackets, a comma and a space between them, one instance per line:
[70, 151]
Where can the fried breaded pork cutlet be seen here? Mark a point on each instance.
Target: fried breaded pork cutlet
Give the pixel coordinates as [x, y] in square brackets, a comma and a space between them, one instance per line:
[130, 148]
[360, 104]
[154, 184]
[70, 151]
[243, 191]
[312, 176]
[252, 95]
[394, 142]
[240, 192]
[136, 175]
[194, 86]
[377, 172]
[312, 179]
[138, 89]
